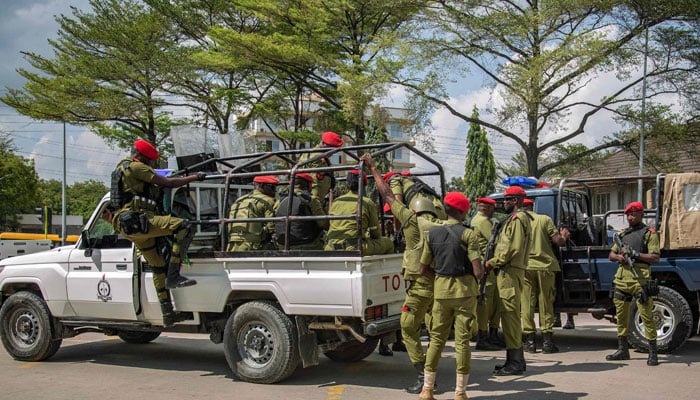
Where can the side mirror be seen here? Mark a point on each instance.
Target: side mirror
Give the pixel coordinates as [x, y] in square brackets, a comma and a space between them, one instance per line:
[85, 243]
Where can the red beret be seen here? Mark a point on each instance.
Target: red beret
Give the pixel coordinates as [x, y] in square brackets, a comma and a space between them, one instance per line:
[305, 176]
[515, 191]
[146, 149]
[387, 208]
[406, 173]
[528, 202]
[388, 175]
[457, 200]
[332, 139]
[266, 179]
[486, 200]
[634, 206]
[356, 172]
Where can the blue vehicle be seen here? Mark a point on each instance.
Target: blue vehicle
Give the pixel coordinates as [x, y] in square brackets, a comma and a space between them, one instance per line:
[586, 279]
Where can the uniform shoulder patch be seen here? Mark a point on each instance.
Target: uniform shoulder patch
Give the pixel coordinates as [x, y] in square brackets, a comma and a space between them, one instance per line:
[652, 230]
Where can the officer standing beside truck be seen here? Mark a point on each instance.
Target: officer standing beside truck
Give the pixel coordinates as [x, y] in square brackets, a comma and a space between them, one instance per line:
[640, 248]
[134, 194]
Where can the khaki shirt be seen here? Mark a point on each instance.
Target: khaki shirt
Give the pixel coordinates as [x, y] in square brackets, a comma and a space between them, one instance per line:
[482, 224]
[343, 230]
[651, 239]
[513, 242]
[542, 257]
[253, 205]
[321, 185]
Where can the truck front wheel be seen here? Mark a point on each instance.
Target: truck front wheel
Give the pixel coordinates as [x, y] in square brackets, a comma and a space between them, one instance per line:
[673, 318]
[260, 343]
[26, 329]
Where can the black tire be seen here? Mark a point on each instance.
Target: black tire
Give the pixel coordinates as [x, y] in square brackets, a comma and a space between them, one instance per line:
[260, 343]
[673, 318]
[138, 337]
[353, 351]
[26, 328]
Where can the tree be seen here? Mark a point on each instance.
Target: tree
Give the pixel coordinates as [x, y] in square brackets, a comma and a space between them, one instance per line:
[110, 70]
[539, 56]
[18, 184]
[479, 167]
[83, 196]
[456, 184]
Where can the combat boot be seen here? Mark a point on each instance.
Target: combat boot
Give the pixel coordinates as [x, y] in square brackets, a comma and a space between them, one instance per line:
[530, 344]
[653, 359]
[557, 320]
[461, 387]
[548, 346]
[483, 343]
[623, 350]
[170, 317]
[416, 387]
[495, 339]
[428, 392]
[174, 280]
[515, 363]
[569, 322]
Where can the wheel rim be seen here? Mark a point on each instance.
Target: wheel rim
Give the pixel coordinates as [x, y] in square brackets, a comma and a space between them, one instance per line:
[25, 328]
[663, 318]
[256, 345]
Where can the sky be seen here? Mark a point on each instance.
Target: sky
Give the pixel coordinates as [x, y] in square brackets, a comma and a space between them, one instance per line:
[25, 25]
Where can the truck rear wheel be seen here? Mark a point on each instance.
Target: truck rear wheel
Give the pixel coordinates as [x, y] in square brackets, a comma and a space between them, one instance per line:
[260, 343]
[138, 337]
[26, 328]
[353, 350]
[673, 318]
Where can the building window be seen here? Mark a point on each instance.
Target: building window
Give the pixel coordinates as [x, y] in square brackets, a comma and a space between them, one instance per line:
[601, 203]
[395, 131]
[621, 200]
[398, 155]
[272, 145]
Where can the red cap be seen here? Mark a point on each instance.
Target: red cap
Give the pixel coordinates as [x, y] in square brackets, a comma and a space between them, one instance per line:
[266, 179]
[457, 200]
[388, 175]
[146, 149]
[528, 202]
[305, 176]
[486, 200]
[387, 208]
[634, 206]
[406, 173]
[332, 139]
[356, 172]
[515, 191]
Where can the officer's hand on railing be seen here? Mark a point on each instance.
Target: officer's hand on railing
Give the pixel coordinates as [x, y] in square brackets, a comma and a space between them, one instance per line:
[201, 176]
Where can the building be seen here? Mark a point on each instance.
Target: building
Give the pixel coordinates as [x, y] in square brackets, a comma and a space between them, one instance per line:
[30, 223]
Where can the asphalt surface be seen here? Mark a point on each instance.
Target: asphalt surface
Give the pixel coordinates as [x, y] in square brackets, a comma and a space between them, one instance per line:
[180, 366]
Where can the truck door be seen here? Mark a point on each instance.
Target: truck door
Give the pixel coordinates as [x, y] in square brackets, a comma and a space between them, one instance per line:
[100, 280]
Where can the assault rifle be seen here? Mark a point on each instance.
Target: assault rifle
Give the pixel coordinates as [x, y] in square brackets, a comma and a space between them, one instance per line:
[488, 253]
[651, 288]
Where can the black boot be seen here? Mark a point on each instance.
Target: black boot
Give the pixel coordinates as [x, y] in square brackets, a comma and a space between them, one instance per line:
[417, 386]
[385, 350]
[483, 343]
[174, 280]
[557, 320]
[530, 344]
[170, 317]
[623, 350]
[495, 339]
[548, 345]
[499, 367]
[653, 359]
[515, 363]
[569, 322]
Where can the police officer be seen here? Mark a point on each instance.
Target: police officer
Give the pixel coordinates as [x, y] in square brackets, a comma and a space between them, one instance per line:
[415, 223]
[540, 278]
[406, 187]
[641, 243]
[488, 315]
[343, 233]
[453, 249]
[135, 193]
[305, 234]
[509, 262]
[259, 203]
[323, 181]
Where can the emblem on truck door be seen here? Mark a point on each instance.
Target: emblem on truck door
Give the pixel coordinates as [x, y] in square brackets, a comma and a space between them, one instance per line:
[104, 290]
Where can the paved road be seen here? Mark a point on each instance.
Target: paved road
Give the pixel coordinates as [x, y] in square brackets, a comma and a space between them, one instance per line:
[178, 366]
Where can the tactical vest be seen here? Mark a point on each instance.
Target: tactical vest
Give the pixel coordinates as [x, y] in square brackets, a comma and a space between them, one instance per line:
[300, 232]
[449, 252]
[633, 237]
[118, 196]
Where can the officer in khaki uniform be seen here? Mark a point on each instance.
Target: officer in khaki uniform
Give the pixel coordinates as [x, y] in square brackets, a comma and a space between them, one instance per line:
[343, 233]
[508, 263]
[540, 279]
[453, 250]
[488, 315]
[303, 235]
[259, 203]
[134, 195]
[415, 222]
[323, 181]
[402, 185]
[641, 243]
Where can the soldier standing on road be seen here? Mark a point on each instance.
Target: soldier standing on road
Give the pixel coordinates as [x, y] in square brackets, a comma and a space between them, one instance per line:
[135, 193]
[303, 235]
[323, 181]
[419, 295]
[509, 263]
[488, 315]
[641, 244]
[259, 203]
[540, 278]
[343, 233]
[453, 249]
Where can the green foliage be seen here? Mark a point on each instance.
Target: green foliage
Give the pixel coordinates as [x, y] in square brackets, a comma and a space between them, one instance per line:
[81, 197]
[18, 184]
[457, 184]
[479, 167]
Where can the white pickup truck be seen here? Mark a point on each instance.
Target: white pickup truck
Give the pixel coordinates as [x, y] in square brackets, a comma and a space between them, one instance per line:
[271, 311]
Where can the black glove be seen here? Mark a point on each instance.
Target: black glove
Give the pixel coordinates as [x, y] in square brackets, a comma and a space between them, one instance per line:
[201, 176]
